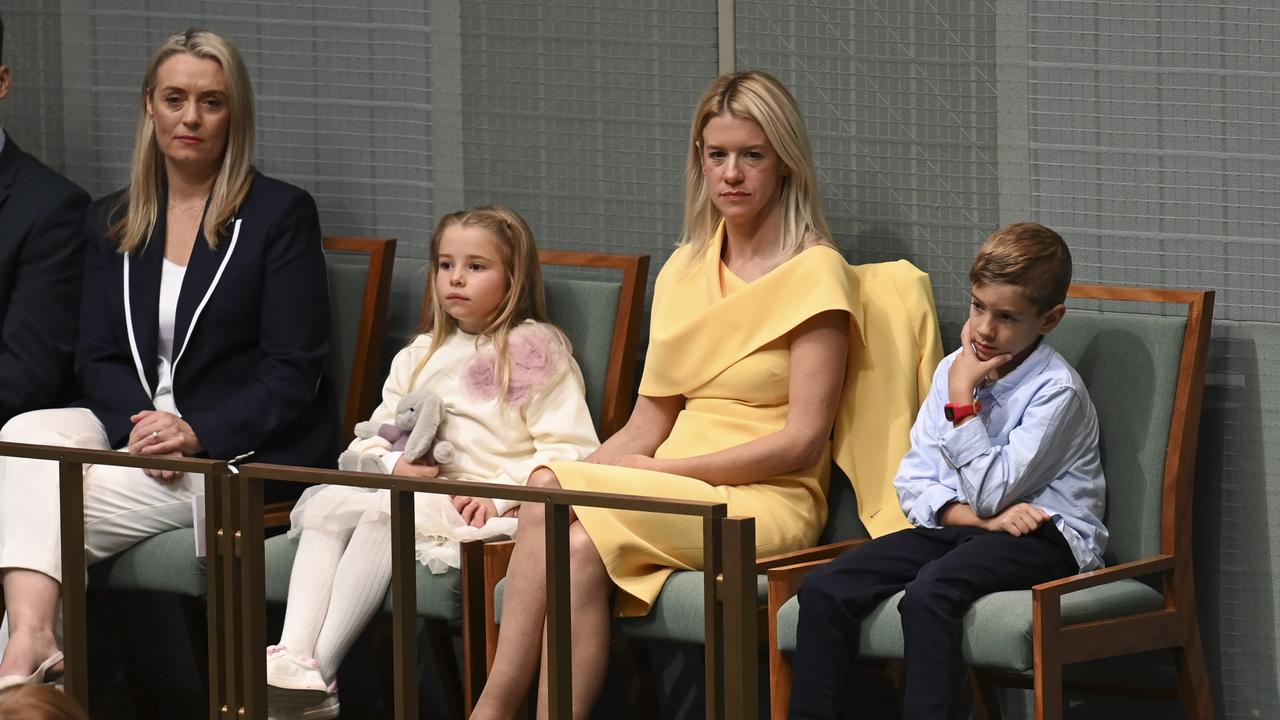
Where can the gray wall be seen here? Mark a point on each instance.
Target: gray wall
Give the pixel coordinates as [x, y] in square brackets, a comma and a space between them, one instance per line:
[1145, 132]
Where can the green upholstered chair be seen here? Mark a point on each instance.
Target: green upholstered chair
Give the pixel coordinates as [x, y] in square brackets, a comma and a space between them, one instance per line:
[596, 299]
[1145, 374]
[359, 283]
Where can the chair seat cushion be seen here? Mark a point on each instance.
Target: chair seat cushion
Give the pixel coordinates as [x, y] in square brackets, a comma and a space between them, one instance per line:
[439, 596]
[162, 563]
[997, 629]
[676, 614]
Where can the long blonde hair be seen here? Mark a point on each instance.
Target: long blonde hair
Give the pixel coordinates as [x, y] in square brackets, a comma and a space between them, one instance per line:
[525, 298]
[146, 170]
[757, 96]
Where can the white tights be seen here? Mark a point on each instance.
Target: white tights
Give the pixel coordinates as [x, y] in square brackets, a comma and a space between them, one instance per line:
[338, 582]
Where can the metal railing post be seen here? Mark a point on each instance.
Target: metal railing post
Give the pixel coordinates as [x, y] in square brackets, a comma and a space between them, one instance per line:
[215, 600]
[713, 616]
[404, 606]
[738, 597]
[248, 544]
[231, 580]
[75, 636]
[559, 640]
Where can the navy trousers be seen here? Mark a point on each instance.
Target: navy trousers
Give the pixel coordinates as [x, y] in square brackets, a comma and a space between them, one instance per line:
[944, 571]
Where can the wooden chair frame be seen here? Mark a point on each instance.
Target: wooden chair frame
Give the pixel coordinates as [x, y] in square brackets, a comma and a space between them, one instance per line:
[1175, 626]
[363, 390]
[363, 387]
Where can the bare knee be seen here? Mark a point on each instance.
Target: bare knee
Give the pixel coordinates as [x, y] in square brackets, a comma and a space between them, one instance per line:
[584, 558]
[532, 512]
[543, 477]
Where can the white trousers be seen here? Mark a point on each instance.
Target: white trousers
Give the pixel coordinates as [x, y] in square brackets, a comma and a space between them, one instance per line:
[121, 505]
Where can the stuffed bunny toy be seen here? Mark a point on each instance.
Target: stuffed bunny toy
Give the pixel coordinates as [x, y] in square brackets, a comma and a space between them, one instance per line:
[418, 418]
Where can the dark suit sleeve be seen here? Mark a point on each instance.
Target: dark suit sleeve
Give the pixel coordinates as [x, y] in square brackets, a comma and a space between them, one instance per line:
[294, 341]
[38, 334]
[104, 361]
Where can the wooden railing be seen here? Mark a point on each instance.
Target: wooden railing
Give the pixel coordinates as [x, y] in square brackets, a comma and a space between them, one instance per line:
[236, 577]
[728, 555]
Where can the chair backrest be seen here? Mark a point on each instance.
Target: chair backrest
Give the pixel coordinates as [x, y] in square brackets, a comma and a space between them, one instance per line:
[359, 284]
[1145, 375]
[601, 317]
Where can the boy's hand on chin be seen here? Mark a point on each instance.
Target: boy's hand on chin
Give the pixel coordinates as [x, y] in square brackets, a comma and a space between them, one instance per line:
[968, 370]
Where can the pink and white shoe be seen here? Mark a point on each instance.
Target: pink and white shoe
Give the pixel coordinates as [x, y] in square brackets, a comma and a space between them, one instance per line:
[295, 681]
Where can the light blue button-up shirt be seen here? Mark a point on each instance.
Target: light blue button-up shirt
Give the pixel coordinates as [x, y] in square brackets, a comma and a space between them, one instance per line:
[1035, 441]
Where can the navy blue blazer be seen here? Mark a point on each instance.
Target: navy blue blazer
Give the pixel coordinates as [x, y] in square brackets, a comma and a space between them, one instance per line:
[251, 338]
[41, 256]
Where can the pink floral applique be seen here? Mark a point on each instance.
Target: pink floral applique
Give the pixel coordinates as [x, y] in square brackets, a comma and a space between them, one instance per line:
[537, 356]
[479, 379]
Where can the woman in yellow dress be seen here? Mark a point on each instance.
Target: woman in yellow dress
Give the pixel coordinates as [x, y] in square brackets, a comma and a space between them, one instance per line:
[749, 336]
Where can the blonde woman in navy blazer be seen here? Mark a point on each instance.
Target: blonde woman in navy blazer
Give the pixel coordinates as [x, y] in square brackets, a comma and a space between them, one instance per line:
[204, 331]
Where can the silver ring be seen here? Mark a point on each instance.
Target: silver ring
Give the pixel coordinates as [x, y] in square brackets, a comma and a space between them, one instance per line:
[155, 434]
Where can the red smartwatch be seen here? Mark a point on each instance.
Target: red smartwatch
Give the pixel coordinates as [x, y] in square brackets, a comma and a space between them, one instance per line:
[955, 413]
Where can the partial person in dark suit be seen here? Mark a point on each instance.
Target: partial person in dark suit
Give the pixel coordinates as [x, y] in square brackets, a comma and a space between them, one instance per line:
[204, 331]
[41, 256]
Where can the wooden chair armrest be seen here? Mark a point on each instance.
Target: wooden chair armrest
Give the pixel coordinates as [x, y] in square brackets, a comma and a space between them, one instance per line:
[497, 557]
[796, 572]
[1137, 568]
[821, 552]
[784, 583]
[276, 514]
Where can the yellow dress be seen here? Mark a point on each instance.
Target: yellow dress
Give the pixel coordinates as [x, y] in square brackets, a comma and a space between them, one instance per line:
[724, 345]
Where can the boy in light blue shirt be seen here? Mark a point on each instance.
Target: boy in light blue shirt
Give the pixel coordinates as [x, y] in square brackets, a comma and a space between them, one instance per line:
[1003, 483]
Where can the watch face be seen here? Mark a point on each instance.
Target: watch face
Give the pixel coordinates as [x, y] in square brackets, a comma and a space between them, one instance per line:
[949, 412]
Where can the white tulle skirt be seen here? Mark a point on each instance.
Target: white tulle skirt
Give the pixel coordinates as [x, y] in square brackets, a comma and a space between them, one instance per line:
[438, 528]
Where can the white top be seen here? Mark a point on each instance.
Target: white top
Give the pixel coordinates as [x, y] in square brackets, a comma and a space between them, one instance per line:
[170, 286]
[544, 420]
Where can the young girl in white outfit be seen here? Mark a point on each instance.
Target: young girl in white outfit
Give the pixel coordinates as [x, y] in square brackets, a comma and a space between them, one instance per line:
[514, 400]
